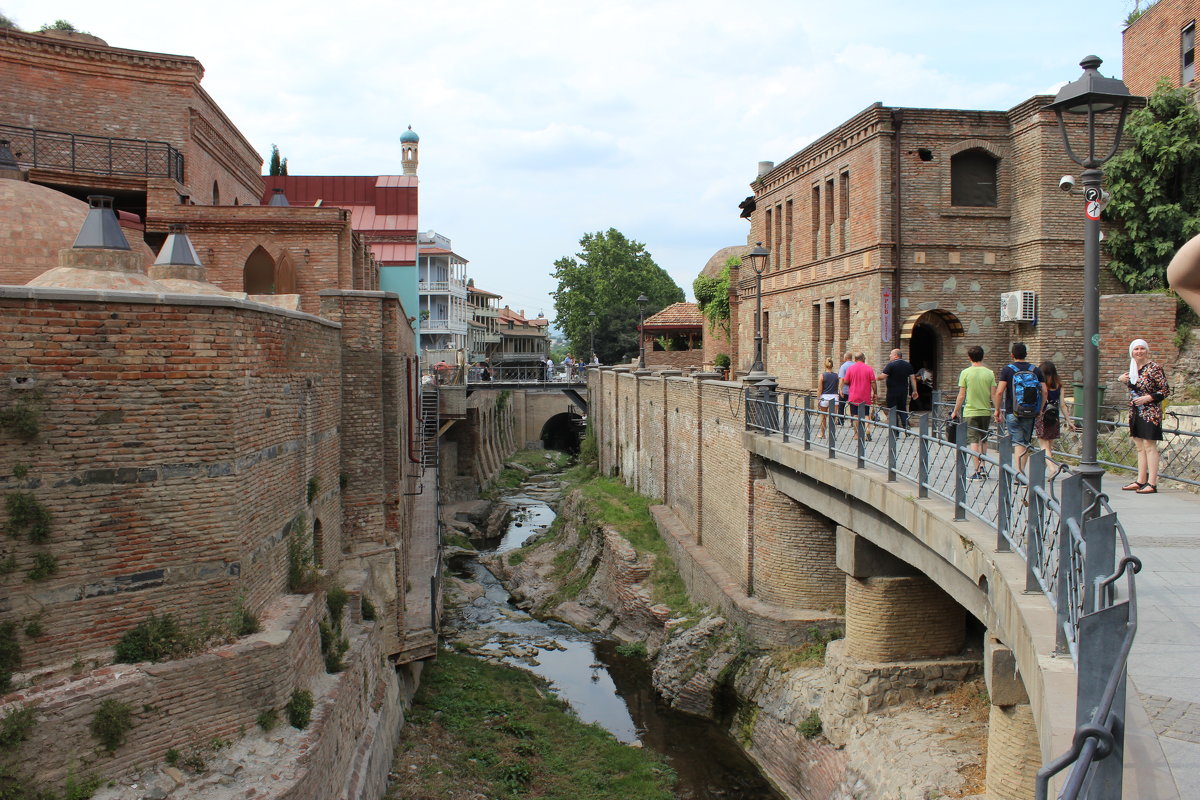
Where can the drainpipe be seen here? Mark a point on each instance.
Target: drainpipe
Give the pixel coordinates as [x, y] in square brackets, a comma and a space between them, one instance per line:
[897, 123]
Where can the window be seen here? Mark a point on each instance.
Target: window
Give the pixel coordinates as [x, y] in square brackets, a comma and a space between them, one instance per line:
[844, 201]
[816, 222]
[1187, 47]
[767, 234]
[829, 217]
[777, 254]
[973, 179]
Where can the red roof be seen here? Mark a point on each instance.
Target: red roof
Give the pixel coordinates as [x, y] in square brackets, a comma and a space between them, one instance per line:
[376, 202]
[389, 252]
[477, 290]
[676, 315]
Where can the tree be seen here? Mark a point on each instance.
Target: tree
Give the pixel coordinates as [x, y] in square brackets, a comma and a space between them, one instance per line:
[1155, 186]
[277, 167]
[60, 25]
[712, 295]
[605, 277]
[5, 22]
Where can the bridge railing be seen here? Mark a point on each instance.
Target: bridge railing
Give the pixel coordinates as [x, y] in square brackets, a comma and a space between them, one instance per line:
[530, 374]
[1039, 510]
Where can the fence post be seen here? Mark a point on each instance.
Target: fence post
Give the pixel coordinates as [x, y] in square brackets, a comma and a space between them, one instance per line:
[960, 471]
[1034, 527]
[1004, 513]
[746, 393]
[808, 422]
[860, 429]
[1070, 509]
[893, 433]
[831, 441]
[923, 457]
[786, 397]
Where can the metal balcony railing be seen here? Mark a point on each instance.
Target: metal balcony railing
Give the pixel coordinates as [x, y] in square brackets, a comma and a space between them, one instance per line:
[100, 155]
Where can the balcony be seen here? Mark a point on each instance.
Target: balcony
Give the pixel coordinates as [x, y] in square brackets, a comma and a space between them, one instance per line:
[490, 313]
[488, 338]
[436, 325]
[100, 155]
[454, 288]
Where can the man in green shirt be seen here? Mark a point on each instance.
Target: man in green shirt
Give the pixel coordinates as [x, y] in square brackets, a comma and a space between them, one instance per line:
[975, 386]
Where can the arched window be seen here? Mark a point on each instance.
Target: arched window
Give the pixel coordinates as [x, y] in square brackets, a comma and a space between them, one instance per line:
[258, 277]
[216, 195]
[973, 178]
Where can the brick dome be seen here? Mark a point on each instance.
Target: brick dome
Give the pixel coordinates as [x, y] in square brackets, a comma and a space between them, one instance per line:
[43, 221]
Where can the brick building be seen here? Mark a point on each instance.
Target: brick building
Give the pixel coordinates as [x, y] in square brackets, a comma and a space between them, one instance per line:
[905, 227]
[1161, 43]
[674, 337]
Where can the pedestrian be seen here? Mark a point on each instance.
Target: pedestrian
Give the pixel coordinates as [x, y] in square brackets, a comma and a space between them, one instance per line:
[595, 360]
[1048, 426]
[1020, 395]
[847, 362]
[569, 367]
[901, 384]
[442, 369]
[974, 404]
[1147, 389]
[549, 368]
[828, 381]
[859, 386]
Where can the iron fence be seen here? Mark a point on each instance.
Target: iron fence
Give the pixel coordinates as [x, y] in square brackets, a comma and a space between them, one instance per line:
[1039, 510]
[102, 155]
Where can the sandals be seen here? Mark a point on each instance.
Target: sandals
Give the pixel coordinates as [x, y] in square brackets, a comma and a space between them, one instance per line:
[1148, 488]
[1134, 487]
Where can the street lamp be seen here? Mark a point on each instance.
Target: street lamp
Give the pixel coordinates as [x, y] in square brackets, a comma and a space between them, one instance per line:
[641, 301]
[1092, 94]
[758, 262]
[592, 334]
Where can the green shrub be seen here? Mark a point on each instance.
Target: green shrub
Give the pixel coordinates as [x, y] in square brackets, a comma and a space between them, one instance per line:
[516, 558]
[26, 515]
[8, 565]
[44, 566]
[15, 727]
[173, 757]
[22, 419]
[155, 639]
[81, 788]
[368, 609]
[34, 628]
[314, 486]
[299, 709]
[110, 723]
[721, 360]
[333, 647]
[268, 718]
[10, 654]
[335, 600]
[244, 621]
[632, 649]
[810, 726]
[303, 577]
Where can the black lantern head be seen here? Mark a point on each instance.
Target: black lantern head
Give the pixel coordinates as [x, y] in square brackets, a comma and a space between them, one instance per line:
[1091, 94]
[758, 258]
[642, 299]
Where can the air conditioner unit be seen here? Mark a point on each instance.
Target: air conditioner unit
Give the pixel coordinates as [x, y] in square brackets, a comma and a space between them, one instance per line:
[1018, 307]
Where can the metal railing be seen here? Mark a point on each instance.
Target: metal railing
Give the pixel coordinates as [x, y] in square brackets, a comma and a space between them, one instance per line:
[532, 374]
[1179, 451]
[104, 155]
[1040, 511]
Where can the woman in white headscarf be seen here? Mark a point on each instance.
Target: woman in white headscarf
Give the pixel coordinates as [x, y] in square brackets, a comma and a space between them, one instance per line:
[1147, 389]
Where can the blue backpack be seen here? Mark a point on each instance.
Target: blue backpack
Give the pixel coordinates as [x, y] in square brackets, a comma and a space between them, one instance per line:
[1026, 393]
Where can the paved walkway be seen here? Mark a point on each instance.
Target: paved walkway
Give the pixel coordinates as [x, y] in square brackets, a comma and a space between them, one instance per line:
[1164, 668]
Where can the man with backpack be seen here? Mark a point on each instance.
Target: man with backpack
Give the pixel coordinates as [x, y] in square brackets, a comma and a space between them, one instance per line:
[1020, 397]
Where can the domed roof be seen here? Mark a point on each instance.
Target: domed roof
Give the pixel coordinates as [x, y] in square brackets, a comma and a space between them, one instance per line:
[718, 260]
[44, 222]
[410, 136]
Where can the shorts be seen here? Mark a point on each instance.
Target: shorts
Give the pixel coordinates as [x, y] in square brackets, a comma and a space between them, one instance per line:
[1020, 429]
[977, 428]
[866, 409]
[827, 399]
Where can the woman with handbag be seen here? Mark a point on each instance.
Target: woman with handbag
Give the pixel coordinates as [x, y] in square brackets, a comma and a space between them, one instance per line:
[1147, 389]
[1049, 422]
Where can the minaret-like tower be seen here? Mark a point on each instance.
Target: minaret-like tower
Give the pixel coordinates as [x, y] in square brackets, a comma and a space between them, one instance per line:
[409, 141]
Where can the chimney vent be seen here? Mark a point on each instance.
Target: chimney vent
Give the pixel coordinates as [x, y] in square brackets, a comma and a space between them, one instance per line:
[764, 167]
[100, 227]
[278, 198]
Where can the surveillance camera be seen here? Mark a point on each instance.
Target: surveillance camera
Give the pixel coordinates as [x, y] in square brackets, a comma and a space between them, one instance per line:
[1066, 183]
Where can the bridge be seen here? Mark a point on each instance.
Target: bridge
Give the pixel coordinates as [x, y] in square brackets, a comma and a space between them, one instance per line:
[889, 521]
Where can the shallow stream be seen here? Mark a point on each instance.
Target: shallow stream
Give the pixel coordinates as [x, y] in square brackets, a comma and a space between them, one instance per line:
[601, 685]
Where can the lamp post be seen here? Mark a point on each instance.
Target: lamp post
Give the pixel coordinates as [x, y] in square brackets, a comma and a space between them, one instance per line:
[641, 301]
[758, 262]
[591, 334]
[1092, 94]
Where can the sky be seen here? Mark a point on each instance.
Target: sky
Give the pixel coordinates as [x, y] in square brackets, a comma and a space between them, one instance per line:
[542, 120]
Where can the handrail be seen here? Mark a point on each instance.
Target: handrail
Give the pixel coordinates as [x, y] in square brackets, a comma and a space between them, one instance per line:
[1066, 538]
[105, 155]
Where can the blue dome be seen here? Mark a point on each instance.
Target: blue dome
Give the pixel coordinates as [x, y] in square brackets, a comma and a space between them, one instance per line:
[409, 136]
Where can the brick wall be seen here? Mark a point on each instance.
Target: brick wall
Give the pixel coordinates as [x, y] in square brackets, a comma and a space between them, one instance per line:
[174, 451]
[794, 553]
[901, 619]
[1150, 47]
[682, 486]
[1125, 317]
[725, 480]
[1013, 755]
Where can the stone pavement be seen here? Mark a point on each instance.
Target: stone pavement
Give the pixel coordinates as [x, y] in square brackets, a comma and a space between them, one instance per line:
[1164, 668]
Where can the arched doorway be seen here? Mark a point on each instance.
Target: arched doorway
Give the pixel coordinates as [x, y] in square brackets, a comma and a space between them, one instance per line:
[927, 334]
[258, 276]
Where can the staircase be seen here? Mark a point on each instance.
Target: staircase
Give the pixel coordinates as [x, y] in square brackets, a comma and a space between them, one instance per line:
[429, 427]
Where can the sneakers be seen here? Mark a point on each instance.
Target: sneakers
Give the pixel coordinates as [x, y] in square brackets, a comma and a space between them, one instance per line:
[978, 475]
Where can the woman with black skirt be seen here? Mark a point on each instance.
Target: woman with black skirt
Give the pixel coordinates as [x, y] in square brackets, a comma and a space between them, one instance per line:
[1147, 389]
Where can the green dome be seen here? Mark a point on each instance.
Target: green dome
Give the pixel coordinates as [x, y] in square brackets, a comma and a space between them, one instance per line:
[409, 136]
